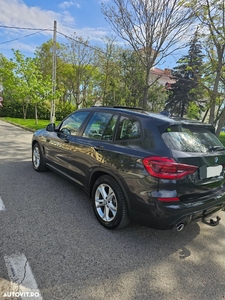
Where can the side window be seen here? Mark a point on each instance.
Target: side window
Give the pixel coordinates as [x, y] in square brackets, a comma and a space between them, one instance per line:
[97, 125]
[108, 133]
[72, 124]
[128, 129]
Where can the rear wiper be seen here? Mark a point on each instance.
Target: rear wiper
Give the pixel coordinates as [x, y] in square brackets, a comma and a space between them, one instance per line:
[216, 148]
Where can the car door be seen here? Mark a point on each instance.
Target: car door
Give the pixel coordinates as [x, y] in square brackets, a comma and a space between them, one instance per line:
[86, 149]
[57, 147]
[120, 157]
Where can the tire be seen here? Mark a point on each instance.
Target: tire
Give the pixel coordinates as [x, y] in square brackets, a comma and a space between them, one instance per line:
[37, 159]
[109, 203]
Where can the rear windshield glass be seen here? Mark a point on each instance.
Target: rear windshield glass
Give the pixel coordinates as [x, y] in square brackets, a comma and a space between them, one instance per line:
[191, 139]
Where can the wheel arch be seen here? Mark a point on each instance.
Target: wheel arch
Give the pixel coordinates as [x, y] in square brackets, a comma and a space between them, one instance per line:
[42, 164]
[98, 173]
[35, 141]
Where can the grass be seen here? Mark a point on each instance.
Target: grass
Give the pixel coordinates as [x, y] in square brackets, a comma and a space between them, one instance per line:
[222, 138]
[30, 124]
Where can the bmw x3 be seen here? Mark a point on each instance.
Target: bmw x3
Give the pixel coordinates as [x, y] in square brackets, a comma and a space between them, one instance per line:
[159, 171]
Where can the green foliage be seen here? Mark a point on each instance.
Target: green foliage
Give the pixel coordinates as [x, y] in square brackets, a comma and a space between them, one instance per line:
[193, 111]
[44, 54]
[132, 79]
[211, 16]
[28, 123]
[12, 108]
[110, 73]
[222, 138]
[85, 77]
[63, 109]
[79, 72]
[157, 96]
[187, 88]
[115, 75]
[23, 81]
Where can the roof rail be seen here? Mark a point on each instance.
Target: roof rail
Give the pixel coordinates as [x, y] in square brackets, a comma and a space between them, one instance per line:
[128, 107]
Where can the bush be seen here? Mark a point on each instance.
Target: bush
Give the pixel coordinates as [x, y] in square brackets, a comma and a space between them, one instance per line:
[63, 109]
[13, 108]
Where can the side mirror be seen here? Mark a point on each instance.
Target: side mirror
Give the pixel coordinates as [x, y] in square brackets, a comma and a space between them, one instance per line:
[50, 127]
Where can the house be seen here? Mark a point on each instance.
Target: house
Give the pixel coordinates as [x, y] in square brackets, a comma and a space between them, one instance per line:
[163, 77]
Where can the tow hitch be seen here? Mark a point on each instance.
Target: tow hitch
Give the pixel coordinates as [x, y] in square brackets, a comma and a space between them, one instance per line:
[212, 222]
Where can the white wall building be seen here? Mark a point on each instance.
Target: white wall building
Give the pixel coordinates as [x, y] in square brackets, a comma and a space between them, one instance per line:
[163, 77]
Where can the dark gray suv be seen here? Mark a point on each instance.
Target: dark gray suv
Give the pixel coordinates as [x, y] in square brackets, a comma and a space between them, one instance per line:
[159, 171]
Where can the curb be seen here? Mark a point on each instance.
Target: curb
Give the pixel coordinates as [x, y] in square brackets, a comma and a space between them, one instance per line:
[21, 126]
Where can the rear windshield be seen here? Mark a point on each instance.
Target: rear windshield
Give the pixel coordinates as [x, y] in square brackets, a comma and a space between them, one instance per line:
[191, 139]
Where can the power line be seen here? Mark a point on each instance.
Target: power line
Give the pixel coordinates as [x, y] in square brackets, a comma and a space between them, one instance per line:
[70, 38]
[45, 29]
[19, 38]
[25, 28]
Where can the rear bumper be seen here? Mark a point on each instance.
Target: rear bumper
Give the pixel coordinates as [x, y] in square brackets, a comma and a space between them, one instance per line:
[170, 215]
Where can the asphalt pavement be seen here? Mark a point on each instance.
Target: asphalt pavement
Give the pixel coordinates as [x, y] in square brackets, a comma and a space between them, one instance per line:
[47, 224]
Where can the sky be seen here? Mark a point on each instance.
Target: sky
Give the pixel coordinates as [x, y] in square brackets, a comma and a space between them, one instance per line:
[83, 17]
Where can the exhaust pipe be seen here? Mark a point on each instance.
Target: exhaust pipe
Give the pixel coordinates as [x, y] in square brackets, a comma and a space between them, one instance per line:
[179, 227]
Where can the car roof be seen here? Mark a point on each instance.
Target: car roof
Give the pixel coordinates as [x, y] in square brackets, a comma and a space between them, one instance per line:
[159, 117]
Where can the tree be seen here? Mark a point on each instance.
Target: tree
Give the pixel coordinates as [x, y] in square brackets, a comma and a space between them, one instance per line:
[121, 75]
[22, 78]
[151, 28]
[109, 68]
[158, 95]
[44, 55]
[33, 88]
[193, 111]
[80, 58]
[187, 88]
[8, 80]
[211, 14]
[132, 78]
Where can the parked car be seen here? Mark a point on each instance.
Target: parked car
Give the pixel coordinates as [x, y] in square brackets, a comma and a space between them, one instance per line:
[156, 170]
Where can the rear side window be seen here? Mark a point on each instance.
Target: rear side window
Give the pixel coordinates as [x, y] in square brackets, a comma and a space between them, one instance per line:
[109, 131]
[128, 129]
[191, 139]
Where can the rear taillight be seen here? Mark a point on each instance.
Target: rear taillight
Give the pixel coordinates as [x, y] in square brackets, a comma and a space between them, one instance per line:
[167, 168]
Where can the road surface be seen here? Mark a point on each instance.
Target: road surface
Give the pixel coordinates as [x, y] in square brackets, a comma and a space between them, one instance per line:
[52, 244]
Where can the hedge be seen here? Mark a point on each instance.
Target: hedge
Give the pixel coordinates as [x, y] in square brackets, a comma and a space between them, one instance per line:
[14, 109]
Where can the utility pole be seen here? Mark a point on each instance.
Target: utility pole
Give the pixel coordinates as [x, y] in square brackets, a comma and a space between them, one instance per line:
[52, 114]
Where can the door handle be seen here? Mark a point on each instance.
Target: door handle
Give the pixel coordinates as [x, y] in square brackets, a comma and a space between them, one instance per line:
[99, 148]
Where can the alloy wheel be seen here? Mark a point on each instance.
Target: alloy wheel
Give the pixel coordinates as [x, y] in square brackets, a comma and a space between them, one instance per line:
[106, 202]
[36, 157]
